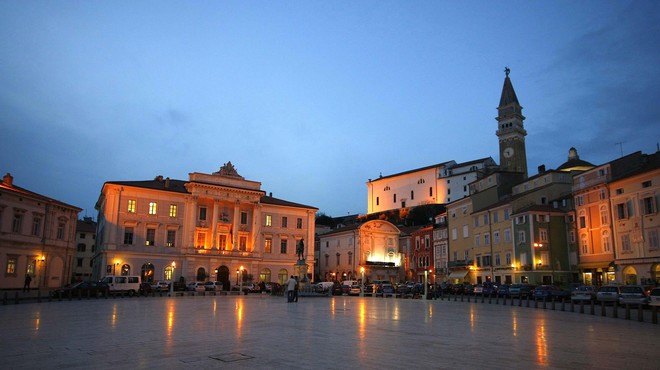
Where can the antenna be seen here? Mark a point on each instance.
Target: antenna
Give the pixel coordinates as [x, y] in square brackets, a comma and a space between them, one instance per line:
[620, 144]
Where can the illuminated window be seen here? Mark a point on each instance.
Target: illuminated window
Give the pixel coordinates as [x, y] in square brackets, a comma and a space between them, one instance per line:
[201, 240]
[172, 210]
[268, 245]
[11, 266]
[222, 241]
[153, 208]
[168, 273]
[131, 205]
[269, 220]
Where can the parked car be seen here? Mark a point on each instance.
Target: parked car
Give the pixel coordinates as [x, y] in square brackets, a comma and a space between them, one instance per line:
[632, 294]
[324, 286]
[345, 288]
[468, 288]
[387, 289]
[355, 290]
[145, 288]
[608, 293]
[521, 290]
[503, 290]
[160, 286]
[81, 289]
[337, 289]
[457, 289]
[654, 297]
[489, 289]
[213, 285]
[370, 289]
[584, 293]
[402, 289]
[551, 292]
[195, 286]
[478, 289]
[252, 288]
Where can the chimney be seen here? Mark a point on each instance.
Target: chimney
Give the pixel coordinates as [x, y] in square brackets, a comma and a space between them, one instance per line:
[541, 169]
[167, 182]
[270, 194]
[8, 180]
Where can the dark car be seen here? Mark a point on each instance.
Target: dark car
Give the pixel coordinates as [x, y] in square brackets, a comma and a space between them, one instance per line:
[457, 289]
[145, 288]
[550, 292]
[468, 288]
[402, 289]
[370, 289]
[387, 289]
[489, 289]
[521, 290]
[337, 289]
[82, 289]
[503, 290]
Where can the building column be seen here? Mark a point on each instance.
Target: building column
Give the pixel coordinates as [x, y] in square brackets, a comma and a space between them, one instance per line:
[214, 227]
[234, 226]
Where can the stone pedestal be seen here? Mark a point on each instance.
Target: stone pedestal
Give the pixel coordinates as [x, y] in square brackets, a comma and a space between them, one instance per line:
[300, 270]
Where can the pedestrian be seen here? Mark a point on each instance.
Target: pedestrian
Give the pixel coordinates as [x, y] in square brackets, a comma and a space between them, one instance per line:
[28, 280]
[290, 287]
[295, 292]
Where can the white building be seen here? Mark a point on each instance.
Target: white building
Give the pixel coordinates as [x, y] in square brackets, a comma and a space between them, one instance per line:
[212, 227]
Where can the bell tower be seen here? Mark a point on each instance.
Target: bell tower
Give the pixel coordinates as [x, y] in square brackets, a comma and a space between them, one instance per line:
[510, 130]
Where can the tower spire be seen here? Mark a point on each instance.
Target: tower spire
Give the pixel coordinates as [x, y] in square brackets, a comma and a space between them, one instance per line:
[510, 129]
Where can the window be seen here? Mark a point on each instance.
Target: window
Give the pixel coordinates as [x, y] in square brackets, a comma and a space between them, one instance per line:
[478, 261]
[153, 208]
[36, 226]
[507, 214]
[579, 200]
[79, 262]
[496, 237]
[486, 239]
[284, 222]
[602, 195]
[222, 242]
[477, 240]
[619, 191]
[242, 243]
[465, 231]
[583, 222]
[412, 194]
[507, 257]
[82, 235]
[646, 184]
[17, 224]
[626, 247]
[466, 254]
[269, 220]
[430, 191]
[486, 219]
[81, 247]
[584, 245]
[521, 236]
[172, 210]
[571, 236]
[327, 260]
[604, 218]
[453, 234]
[201, 240]
[171, 238]
[151, 237]
[394, 198]
[268, 245]
[543, 235]
[544, 200]
[202, 214]
[648, 205]
[476, 221]
[496, 217]
[350, 258]
[11, 266]
[60, 230]
[128, 236]
[621, 211]
[338, 258]
[486, 260]
[654, 240]
[131, 205]
[244, 218]
[607, 245]
[299, 223]
[377, 201]
[283, 245]
[507, 235]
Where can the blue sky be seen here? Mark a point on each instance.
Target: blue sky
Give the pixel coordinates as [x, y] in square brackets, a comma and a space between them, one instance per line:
[312, 99]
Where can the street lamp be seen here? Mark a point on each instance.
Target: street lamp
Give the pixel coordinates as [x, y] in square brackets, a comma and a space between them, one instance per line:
[426, 284]
[362, 287]
[172, 278]
[114, 267]
[240, 289]
[237, 272]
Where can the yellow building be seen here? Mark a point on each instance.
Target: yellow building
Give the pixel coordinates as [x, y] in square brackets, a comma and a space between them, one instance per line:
[37, 238]
[218, 227]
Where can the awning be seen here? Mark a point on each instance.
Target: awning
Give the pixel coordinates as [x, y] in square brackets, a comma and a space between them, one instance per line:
[594, 265]
[458, 274]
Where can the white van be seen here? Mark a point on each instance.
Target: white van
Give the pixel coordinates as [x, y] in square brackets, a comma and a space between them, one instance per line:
[123, 284]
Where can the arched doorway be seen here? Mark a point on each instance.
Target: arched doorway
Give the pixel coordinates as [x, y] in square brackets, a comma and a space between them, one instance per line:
[282, 276]
[630, 276]
[264, 275]
[148, 273]
[201, 274]
[655, 273]
[223, 275]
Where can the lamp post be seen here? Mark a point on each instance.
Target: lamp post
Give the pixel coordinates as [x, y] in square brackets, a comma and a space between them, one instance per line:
[172, 278]
[240, 289]
[426, 284]
[237, 272]
[362, 285]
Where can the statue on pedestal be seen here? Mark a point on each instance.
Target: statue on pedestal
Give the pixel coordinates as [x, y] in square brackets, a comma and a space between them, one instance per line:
[300, 250]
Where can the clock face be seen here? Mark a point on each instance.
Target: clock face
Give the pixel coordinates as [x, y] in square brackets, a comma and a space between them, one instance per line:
[508, 152]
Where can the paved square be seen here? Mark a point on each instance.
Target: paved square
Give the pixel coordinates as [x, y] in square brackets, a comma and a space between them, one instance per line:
[264, 332]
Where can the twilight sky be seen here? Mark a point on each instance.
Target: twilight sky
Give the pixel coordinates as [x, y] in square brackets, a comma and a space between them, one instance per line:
[313, 98]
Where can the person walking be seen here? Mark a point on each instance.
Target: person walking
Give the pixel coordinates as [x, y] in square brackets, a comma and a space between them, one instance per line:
[295, 292]
[290, 287]
[28, 280]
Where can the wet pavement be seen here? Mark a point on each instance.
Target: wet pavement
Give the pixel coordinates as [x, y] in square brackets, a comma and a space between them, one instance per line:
[266, 332]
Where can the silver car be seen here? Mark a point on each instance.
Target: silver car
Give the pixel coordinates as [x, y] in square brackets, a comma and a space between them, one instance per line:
[608, 293]
[633, 294]
[584, 293]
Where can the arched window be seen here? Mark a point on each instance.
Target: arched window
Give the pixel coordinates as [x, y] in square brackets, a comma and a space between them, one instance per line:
[148, 273]
[604, 217]
[201, 274]
[264, 275]
[607, 245]
[584, 246]
[630, 275]
[282, 276]
[168, 273]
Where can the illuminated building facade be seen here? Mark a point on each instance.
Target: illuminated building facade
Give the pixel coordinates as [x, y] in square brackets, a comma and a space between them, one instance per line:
[85, 244]
[216, 226]
[37, 237]
[369, 250]
[460, 241]
[422, 253]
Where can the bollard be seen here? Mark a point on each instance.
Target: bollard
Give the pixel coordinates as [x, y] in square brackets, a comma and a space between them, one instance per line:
[602, 309]
[592, 308]
[563, 305]
[527, 297]
[544, 300]
[536, 303]
[462, 297]
[497, 299]
[581, 306]
[38, 296]
[616, 310]
[552, 303]
[640, 313]
[16, 298]
[4, 299]
[654, 314]
[627, 311]
[519, 301]
[490, 298]
[468, 298]
[482, 298]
